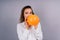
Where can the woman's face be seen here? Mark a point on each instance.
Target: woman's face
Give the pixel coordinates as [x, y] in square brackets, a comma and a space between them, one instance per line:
[27, 12]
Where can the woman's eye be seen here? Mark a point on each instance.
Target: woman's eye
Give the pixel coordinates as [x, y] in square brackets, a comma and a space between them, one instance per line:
[26, 13]
[30, 12]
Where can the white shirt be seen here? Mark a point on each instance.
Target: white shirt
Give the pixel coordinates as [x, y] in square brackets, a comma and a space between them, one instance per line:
[31, 34]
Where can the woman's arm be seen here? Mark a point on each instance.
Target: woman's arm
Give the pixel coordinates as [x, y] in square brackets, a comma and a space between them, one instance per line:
[22, 35]
[38, 32]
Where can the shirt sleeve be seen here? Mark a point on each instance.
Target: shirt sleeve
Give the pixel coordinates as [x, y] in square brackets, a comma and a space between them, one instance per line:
[22, 35]
[38, 32]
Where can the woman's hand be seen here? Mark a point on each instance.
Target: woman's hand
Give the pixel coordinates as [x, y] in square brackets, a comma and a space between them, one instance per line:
[27, 25]
[35, 26]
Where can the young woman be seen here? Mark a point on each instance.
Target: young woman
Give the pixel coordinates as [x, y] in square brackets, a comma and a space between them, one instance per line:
[26, 31]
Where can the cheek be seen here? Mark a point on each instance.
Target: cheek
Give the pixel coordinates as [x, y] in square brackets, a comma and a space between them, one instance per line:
[25, 15]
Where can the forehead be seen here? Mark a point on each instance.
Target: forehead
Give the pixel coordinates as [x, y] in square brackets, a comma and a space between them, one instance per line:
[28, 10]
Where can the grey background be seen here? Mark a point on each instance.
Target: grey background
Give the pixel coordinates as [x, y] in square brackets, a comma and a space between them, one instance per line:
[48, 12]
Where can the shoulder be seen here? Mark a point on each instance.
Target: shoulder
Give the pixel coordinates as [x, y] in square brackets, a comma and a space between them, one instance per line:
[20, 24]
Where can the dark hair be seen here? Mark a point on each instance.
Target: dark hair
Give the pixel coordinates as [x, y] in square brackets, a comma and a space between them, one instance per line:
[21, 19]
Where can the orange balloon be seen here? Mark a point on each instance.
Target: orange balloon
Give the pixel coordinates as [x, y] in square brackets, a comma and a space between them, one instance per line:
[33, 20]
